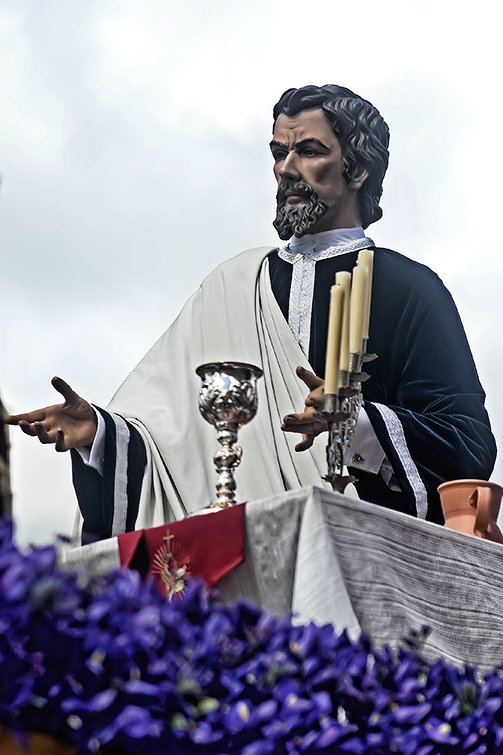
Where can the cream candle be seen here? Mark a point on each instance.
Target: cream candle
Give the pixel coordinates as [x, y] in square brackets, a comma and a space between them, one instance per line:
[366, 259]
[356, 308]
[344, 279]
[334, 339]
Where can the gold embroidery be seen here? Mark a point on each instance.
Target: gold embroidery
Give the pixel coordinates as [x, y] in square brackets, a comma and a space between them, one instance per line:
[170, 565]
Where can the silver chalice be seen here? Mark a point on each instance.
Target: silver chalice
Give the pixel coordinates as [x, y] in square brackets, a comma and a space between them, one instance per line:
[227, 399]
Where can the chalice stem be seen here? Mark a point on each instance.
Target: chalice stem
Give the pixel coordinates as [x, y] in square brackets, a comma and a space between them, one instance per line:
[226, 460]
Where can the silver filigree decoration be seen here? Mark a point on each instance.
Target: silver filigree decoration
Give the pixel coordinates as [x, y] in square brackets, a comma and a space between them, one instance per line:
[227, 399]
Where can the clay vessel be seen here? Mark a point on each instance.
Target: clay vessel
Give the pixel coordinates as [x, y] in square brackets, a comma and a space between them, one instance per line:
[472, 506]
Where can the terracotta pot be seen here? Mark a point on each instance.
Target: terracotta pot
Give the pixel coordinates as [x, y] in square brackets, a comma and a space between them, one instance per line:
[39, 744]
[472, 506]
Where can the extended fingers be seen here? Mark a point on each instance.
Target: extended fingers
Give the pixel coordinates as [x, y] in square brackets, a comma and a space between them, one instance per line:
[26, 427]
[309, 378]
[307, 442]
[44, 434]
[297, 420]
[66, 390]
[305, 423]
[38, 430]
[60, 441]
[30, 417]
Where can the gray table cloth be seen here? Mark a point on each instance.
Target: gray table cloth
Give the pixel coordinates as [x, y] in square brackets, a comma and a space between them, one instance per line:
[329, 558]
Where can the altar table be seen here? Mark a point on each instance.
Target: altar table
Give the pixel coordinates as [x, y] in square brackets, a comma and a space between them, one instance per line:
[329, 558]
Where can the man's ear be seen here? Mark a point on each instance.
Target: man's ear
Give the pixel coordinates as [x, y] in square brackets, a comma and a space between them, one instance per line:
[359, 177]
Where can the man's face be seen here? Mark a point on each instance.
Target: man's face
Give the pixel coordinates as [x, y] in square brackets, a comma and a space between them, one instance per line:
[313, 194]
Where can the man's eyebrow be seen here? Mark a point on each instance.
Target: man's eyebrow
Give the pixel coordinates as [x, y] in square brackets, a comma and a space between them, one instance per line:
[301, 144]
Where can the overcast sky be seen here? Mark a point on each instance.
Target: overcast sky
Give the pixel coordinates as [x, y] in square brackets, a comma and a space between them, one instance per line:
[134, 158]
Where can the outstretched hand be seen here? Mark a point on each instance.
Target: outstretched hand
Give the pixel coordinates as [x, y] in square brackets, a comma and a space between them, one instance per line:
[307, 422]
[69, 425]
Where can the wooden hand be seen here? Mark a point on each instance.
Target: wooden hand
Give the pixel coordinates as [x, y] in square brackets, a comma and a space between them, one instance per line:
[69, 425]
[307, 422]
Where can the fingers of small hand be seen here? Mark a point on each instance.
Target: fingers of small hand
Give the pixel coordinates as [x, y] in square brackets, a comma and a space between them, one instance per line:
[307, 442]
[29, 417]
[309, 378]
[60, 441]
[12, 419]
[26, 427]
[35, 430]
[311, 429]
[42, 433]
[293, 423]
[304, 423]
[66, 391]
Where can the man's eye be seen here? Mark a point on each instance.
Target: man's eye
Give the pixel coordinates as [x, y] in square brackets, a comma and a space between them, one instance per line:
[279, 156]
[308, 152]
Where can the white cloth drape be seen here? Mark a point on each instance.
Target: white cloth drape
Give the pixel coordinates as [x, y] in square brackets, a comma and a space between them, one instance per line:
[232, 317]
[363, 568]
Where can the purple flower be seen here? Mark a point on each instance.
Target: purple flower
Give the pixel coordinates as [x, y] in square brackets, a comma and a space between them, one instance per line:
[98, 702]
[412, 714]
[237, 716]
[332, 734]
[107, 662]
[204, 734]
[132, 721]
[259, 747]
[440, 732]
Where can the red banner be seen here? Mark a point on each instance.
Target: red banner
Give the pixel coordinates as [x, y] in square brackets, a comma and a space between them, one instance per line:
[208, 545]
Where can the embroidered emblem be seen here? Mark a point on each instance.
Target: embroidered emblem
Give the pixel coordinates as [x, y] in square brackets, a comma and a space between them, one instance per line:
[170, 566]
[358, 459]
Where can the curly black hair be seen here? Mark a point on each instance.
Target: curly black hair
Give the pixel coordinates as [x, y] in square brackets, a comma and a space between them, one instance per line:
[361, 130]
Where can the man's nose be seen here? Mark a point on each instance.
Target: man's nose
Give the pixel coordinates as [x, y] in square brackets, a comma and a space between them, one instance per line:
[289, 167]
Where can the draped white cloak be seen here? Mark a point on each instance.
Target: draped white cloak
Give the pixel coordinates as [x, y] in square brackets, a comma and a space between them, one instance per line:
[233, 316]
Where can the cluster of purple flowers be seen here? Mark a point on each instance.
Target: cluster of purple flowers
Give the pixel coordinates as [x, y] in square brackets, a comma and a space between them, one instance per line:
[109, 665]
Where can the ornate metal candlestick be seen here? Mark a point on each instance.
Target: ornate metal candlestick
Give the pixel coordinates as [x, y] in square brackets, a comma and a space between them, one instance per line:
[341, 414]
[227, 399]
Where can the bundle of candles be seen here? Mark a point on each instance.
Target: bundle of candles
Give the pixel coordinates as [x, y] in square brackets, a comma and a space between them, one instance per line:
[348, 327]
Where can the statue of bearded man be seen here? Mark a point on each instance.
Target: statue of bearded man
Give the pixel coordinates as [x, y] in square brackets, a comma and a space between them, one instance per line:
[147, 458]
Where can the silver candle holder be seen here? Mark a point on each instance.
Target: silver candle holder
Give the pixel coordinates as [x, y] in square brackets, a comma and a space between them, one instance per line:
[227, 399]
[340, 411]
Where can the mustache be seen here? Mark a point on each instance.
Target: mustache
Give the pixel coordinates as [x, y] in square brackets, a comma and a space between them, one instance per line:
[299, 187]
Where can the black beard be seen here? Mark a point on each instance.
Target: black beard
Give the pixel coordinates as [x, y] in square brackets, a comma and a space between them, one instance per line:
[296, 220]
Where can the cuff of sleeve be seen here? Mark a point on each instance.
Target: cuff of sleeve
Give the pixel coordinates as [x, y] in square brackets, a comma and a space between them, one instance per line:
[388, 475]
[95, 455]
[365, 452]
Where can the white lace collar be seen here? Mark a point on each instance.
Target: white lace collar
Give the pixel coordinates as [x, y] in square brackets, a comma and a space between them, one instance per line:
[303, 254]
